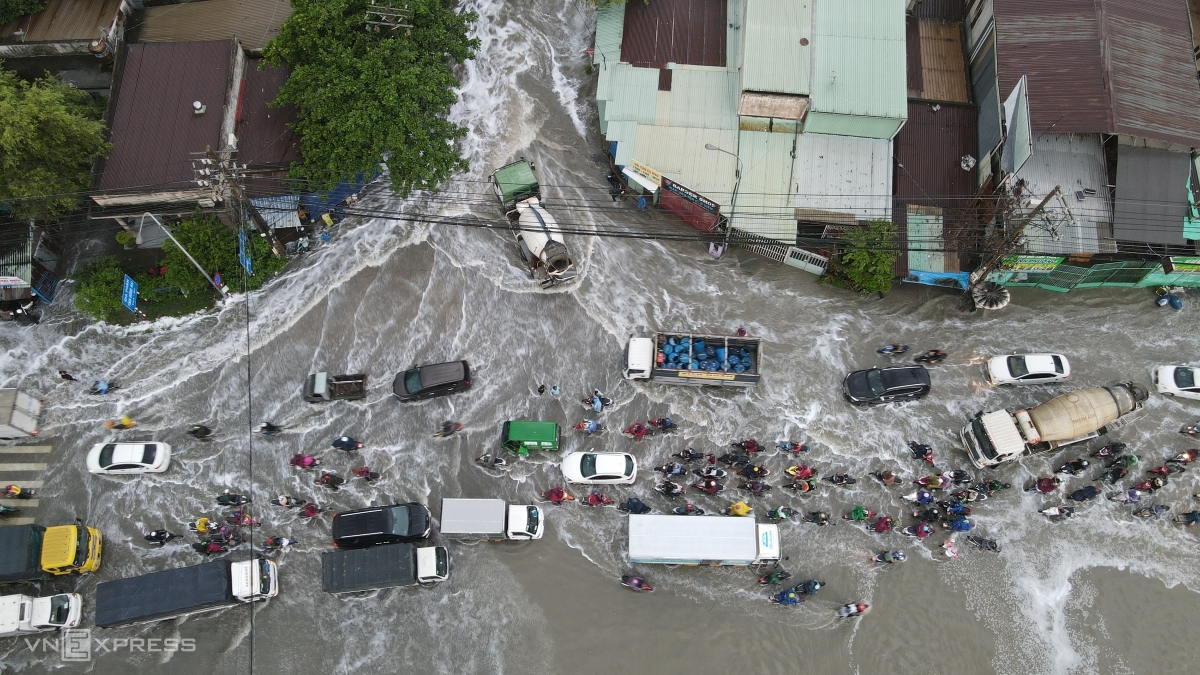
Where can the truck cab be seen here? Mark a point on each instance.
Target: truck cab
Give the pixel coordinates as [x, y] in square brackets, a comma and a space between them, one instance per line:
[525, 522]
[254, 580]
[22, 614]
[639, 358]
[71, 549]
[433, 564]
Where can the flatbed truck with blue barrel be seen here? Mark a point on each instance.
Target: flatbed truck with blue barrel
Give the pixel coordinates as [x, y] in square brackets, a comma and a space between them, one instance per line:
[694, 359]
[701, 540]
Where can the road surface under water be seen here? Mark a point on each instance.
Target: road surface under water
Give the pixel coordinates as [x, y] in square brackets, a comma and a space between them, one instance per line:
[1104, 592]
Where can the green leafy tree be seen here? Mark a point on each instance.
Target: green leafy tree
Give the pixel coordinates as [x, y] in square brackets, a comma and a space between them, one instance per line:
[215, 246]
[364, 97]
[866, 263]
[98, 289]
[15, 9]
[50, 133]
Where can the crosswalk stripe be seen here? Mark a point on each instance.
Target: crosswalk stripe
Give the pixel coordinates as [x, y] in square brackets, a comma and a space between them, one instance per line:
[22, 466]
[26, 449]
[9, 480]
[16, 521]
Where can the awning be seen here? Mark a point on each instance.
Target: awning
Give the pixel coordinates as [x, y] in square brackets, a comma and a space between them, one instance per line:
[279, 211]
[640, 179]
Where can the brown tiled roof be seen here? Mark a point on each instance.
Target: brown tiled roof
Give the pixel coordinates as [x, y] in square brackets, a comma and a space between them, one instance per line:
[154, 130]
[253, 22]
[1102, 66]
[688, 32]
[264, 136]
[63, 20]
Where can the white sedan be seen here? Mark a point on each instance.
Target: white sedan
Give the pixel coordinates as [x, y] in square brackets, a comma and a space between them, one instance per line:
[129, 458]
[599, 467]
[1027, 369]
[1177, 381]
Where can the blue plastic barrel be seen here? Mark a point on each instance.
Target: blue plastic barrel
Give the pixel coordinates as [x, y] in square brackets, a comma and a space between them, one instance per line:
[739, 369]
[1176, 302]
[720, 353]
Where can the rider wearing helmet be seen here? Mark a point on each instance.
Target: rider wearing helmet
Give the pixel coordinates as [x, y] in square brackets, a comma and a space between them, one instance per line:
[739, 509]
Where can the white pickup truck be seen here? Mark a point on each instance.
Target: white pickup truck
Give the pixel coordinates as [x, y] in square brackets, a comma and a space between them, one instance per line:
[23, 615]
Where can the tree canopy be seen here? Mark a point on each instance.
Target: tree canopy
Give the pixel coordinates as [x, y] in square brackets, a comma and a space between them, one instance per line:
[15, 9]
[50, 133]
[365, 97]
[866, 263]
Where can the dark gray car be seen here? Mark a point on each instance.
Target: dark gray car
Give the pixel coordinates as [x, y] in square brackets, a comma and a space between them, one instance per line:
[885, 385]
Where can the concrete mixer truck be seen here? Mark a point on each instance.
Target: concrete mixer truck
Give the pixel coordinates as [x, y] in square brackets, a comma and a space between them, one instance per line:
[1002, 436]
[539, 237]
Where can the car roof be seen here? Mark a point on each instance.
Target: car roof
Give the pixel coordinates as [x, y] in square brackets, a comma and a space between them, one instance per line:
[901, 376]
[610, 463]
[1040, 363]
[130, 453]
[442, 373]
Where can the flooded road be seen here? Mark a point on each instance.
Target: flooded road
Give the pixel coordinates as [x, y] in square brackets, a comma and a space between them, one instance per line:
[1104, 592]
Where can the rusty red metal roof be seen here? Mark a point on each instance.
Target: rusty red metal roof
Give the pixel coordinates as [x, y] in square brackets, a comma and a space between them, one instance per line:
[688, 32]
[946, 10]
[154, 129]
[1102, 66]
[263, 132]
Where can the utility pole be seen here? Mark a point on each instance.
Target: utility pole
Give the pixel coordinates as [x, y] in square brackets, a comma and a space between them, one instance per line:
[1010, 241]
[222, 175]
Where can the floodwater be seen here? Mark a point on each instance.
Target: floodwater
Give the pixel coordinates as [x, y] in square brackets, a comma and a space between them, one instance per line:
[1104, 592]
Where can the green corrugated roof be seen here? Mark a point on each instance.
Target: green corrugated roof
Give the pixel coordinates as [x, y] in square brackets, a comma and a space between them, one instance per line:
[764, 202]
[632, 93]
[610, 26]
[624, 133]
[774, 59]
[859, 59]
[699, 98]
[678, 153]
[925, 241]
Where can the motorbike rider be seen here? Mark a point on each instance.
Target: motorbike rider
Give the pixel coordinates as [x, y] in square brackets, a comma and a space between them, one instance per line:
[305, 462]
[330, 480]
[753, 472]
[1045, 485]
[277, 543]
[921, 451]
[158, 537]
[886, 477]
[1189, 518]
[634, 505]
[556, 495]
[1075, 466]
[708, 485]
[16, 492]
[775, 576]
[800, 471]
[781, 513]
[448, 428]
[232, 499]
[749, 445]
[637, 430]
[588, 426]
[101, 387]
[792, 446]
[789, 597]
[883, 524]
[268, 429]
[810, 587]
[689, 509]
[960, 524]
[859, 513]
[365, 473]
[287, 501]
[689, 454]
[739, 509]
[199, 431]
[671, 469]
[347, 444]
[665, 424]
[311, 510]
[597, 498]
[207, 547]
[755, 486]
[637, 584]
[841, 479]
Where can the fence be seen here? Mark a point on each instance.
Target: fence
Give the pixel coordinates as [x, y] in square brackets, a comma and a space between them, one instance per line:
[780, 252]
[1065, 277]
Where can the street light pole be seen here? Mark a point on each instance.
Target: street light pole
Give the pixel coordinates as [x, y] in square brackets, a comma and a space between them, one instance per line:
[737, 174]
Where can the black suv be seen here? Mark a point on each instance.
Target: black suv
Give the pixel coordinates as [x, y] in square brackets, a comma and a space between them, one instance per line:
[381, 525]
[885, 385]
[439, 379]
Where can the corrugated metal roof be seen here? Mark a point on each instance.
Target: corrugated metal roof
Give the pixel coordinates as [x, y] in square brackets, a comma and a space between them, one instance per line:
[699, 98]
[623, 133]
[1075, 162]
[253, 22]
[843, 174]
[154, 131]
[263, 132]
[610, 25]
[859, 58]
[943, 72]
[929, 151]
[945, 10]
[1103, 66]
[764, 200]
[675, 31]
[777, 43]
[987, 96]
[62, 21]
[1151, 195]
[678, 153]
[631, 93]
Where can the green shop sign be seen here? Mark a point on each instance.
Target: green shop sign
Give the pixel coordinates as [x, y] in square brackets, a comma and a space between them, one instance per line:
[1034, 263]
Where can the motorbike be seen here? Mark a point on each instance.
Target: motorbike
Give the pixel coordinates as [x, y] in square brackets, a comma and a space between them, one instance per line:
[1110, 450]
[671, 469]
[931, 356]
[100, 388]
[201, 432]
[15, 492]
[1186, 457]
[801, 486]
[447, 429]
[969, 496]
[241, 519]
[1151, 485]
[589, 427]
[1152, 511]
[754, 472]
[596, 498]
[159, 537]
[852, 610]
[556, 495]
[840, 479]
[119, 424]
[268, 429]
[637, 431]
[347, 444]
[800, 472]
[756, 487]
[934, 482]
[1190, 429]
[920, 530]
[668, 489]
[288, 502]
[490, 461]
[780, 577]
[596, 402]
[688, 510]
[636, 584]
[305, 462]
[708, 486]
[734, 459]
[921, 451]
[861, 516]
[6, 511]
[990, 487]
[1168, 469]
[960, 477]
[892, 350]
[817, 518]
[792, 446]
[889, 557]
[232, 499]
[787, 597]
[782, 513]
[748, 445]
[1074, 467]
[711, 472]
[688, 455]
[664, 424]
[273, 544]
[1058, 512]
[983, 544]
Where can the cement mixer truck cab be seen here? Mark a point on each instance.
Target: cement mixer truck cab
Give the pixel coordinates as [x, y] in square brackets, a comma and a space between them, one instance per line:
[539, 237]
[1002, 436]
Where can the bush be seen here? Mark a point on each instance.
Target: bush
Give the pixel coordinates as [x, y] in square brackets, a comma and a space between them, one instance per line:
[126, 239]
[215, 247]
[98, 289]
[866, 264]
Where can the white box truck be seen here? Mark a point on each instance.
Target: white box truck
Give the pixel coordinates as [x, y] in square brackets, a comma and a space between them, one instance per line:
[23, 615]
[701, 540]
[19, 414]
[491, 519]
[1002, 436]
